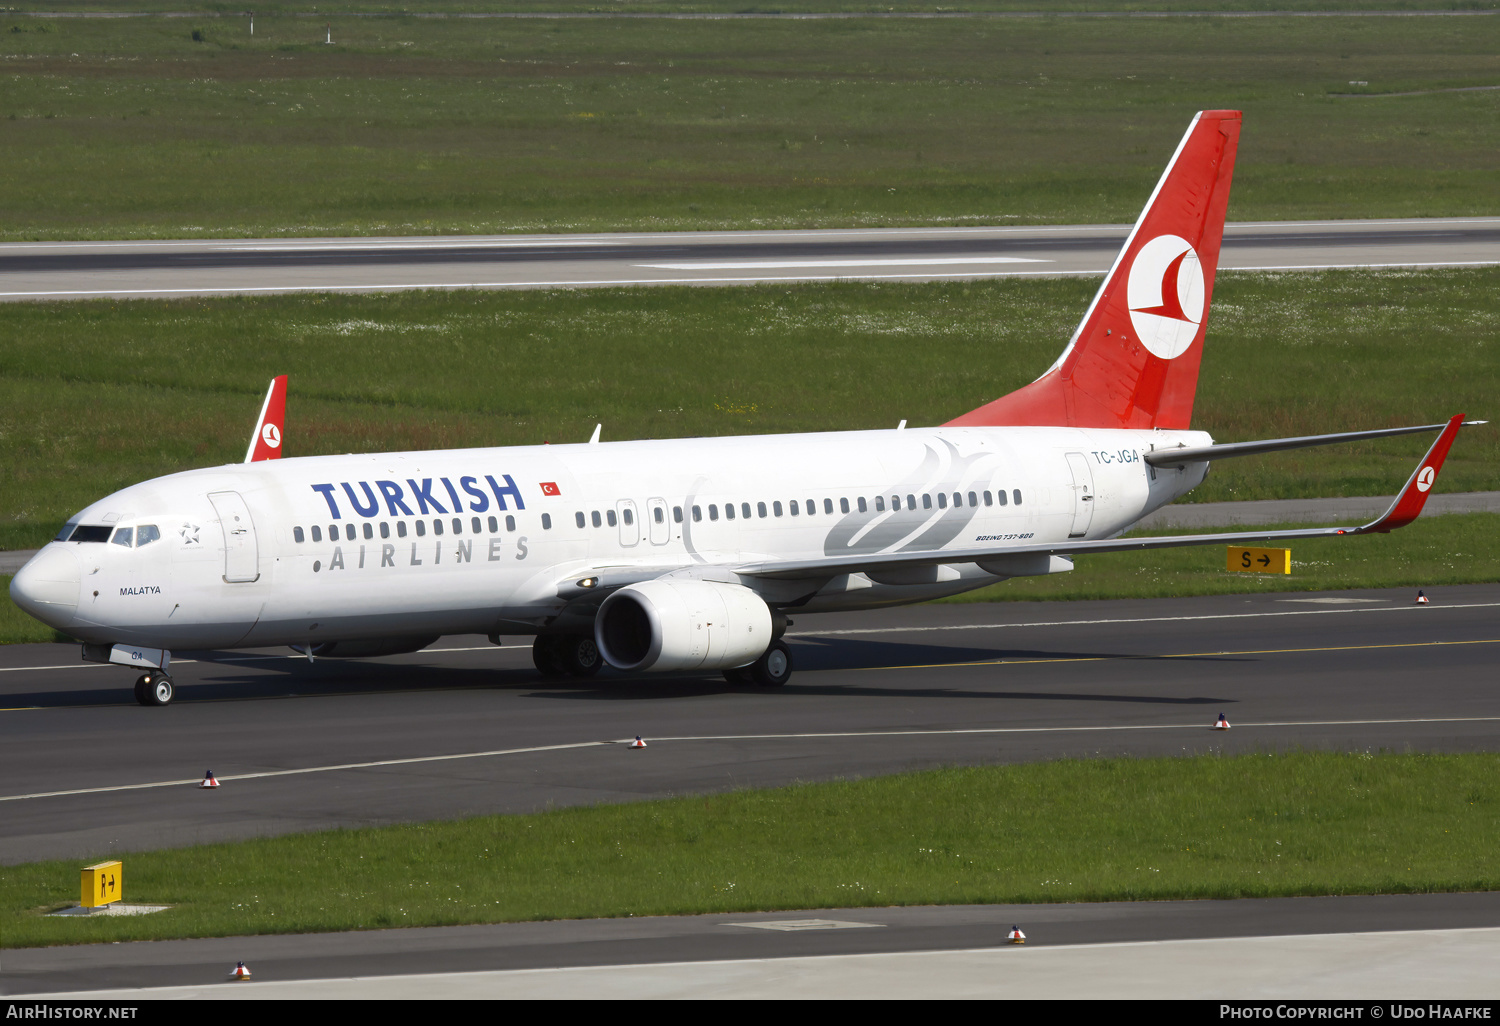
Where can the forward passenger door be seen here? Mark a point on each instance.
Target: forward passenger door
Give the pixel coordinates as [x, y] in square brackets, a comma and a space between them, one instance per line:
[630, 527]
[241, 555]
[661, 527]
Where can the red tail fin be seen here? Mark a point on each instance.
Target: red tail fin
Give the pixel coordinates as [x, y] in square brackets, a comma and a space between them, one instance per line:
[265, 443]
[1133, 362]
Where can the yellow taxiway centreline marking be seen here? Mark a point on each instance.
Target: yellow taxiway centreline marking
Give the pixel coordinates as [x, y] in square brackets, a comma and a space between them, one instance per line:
[1180, 655]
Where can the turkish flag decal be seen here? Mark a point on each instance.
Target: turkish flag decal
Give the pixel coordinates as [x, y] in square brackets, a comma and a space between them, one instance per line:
[550, 488]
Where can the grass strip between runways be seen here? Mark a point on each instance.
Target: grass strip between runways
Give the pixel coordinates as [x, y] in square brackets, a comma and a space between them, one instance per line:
[1204, 826]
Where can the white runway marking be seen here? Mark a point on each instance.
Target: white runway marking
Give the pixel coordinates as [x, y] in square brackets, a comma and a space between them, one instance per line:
[208, 290]
[310, 769]
[1364, 267]
[403, 287]
[743, 265]
[375, 764]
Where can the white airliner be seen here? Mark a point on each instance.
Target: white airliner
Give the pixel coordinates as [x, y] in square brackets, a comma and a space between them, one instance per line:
[684, 554]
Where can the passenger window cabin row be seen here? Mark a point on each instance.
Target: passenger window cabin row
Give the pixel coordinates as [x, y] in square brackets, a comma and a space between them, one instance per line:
[808, 507]
[744, 511]
[368, 531]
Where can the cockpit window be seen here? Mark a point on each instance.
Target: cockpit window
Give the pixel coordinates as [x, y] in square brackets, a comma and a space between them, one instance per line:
[146, 534]
[67, 529]
[123, 536]
[88, 533]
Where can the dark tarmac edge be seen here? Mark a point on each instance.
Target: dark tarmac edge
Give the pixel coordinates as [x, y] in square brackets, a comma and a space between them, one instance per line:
[704, 938]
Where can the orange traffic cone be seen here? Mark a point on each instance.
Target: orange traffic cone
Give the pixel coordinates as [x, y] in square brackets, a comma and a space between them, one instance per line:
[1222, 724]
[1421, 599]
[1016, 936]
[208, 780]
[240, 972]
[638, 743]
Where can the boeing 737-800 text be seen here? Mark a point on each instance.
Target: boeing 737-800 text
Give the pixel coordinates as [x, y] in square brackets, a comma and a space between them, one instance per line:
[685, 554]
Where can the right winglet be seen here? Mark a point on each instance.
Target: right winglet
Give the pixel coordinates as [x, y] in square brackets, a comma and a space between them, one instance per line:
[1408, 505]
[265, 443]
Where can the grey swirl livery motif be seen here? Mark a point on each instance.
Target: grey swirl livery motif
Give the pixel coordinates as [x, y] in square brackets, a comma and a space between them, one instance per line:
[862, 533]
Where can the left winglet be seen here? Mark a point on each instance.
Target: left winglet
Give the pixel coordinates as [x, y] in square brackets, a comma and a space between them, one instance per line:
[1408, 504]
[265, 443]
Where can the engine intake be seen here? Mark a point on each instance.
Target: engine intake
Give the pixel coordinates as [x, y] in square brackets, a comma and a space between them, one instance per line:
[683, 625]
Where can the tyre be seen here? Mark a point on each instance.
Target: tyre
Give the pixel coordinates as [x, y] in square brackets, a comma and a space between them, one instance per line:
[158, 689]
[580, 656]
[142, 689]
[547, 656]
[774, 668]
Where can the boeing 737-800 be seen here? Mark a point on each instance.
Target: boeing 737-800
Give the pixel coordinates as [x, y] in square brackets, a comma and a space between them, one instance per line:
[685, 554]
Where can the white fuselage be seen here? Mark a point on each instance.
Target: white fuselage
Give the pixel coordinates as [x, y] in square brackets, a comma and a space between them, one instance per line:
[334, 548]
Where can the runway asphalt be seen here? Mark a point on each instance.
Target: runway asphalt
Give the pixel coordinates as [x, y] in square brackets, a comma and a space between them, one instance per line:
[466, 728]
[78, 270]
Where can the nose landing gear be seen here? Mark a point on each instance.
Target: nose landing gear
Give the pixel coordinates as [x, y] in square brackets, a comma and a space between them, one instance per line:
[153, 688]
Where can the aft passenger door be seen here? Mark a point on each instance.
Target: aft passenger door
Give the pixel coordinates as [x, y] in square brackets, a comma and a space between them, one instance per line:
[1083, 494]
[241, 555]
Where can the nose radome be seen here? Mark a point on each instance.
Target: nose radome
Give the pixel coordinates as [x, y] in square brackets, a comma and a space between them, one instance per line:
[47, 587]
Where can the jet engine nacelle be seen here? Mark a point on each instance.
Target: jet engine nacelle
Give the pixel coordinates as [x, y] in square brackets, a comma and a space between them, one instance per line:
[682, 625]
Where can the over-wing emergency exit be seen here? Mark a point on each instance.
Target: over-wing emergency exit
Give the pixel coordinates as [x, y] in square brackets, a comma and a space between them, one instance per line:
[686, 554]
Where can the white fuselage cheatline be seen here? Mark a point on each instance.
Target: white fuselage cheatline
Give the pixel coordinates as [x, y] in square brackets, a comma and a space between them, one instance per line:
[335, 548]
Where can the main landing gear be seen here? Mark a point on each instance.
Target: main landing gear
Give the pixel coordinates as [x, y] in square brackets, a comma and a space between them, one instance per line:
[154, 688]
[771, 670]
[566, 655]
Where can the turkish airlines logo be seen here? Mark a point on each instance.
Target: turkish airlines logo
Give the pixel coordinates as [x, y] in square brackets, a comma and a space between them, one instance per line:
[271, 436]
[1425, 479]
[1165, 295]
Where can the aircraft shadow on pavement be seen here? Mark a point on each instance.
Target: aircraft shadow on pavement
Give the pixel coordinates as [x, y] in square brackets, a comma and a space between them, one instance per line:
[847, 654]
[855, 654]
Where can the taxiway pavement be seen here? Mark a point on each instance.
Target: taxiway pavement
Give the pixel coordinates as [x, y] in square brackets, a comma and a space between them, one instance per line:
[184, 267]
[1369, 947]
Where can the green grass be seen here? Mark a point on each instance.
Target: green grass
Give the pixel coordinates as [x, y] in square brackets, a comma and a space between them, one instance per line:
[132, 128]
[1072, 830]
[99, 395]
[221, 8]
